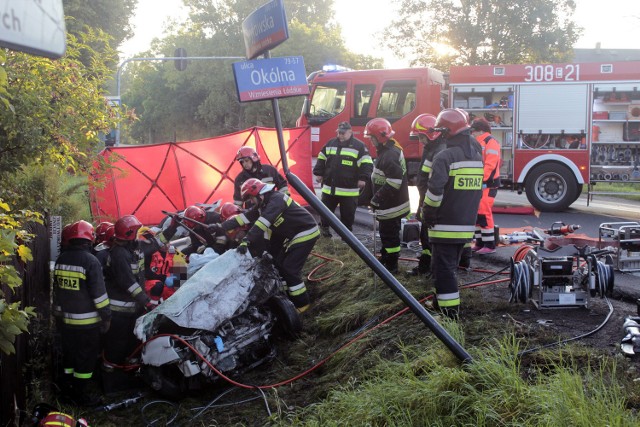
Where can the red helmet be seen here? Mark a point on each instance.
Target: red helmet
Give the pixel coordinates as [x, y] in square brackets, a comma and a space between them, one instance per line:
[249, 152]
[228, 210]
[380, 128]
[126, 228]
[101, 231]
[64, 235]
[424, 124]
[253, 187]
[453, 120]
[466, 114]
[80, 230]
[195, 213]
[238, 233]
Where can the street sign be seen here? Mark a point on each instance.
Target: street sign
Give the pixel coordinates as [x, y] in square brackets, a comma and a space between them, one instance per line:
[265, 28]
[35, 27]
[270, 78]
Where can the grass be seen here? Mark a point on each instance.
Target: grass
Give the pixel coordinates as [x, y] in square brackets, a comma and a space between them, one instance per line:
[400, 374]
[623, 189]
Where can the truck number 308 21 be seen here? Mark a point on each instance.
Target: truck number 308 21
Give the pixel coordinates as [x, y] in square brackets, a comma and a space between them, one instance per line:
[549, 73]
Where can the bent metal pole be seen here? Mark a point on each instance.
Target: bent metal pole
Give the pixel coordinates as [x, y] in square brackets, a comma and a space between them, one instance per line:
[362, 251]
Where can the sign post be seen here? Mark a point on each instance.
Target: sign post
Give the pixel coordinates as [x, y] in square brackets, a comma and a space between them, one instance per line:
[35, 27]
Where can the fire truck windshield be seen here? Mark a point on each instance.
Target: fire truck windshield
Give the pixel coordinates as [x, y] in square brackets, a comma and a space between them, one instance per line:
[326, 102]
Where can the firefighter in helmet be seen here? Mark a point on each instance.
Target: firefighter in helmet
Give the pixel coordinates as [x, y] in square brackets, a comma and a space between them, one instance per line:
[197, 223]
[252, 168]
[390, 189]
[451, 204]
[293, 232]
[485, 242]
[82, 310]
[102, 244]
[433, 142]
[128, 299]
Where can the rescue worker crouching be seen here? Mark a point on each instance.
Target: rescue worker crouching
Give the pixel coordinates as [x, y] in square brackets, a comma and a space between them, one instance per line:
[433, 143]
[293, 233]
[253, 168]
[390, 199]
[197, 223]
[128, 302]
[82, 310]
[451, 204]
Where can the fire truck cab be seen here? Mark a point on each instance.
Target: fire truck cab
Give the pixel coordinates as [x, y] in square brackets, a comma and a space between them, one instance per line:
[560, 126]
[338, 94]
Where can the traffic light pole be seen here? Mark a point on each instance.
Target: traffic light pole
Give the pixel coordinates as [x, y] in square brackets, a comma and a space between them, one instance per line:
[166, 58]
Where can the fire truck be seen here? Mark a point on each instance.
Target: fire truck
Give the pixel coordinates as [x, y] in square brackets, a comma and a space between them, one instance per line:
[338, 94]
[561, 126]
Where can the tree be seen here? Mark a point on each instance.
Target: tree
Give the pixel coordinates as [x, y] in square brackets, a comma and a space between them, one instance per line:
[57, 110]
[483, 31]
[202, 101]
[111, 16]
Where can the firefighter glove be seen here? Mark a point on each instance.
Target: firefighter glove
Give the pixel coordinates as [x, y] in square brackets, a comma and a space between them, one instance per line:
[429, 217]
[149, 306]
[169, 281]
[214, 228]
[104, 326]
[243, 247]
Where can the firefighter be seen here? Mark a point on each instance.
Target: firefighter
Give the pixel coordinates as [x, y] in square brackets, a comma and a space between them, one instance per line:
[82, 310]
[343, 168]
[252, 168]
[450, 205]
[128, 301]
[485, 242]
[422, 127]
[104, 239]
[293, 232]
[390, 199]
[196, 220]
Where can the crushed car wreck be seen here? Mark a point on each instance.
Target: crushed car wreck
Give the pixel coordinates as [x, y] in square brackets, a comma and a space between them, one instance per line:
[221, 320]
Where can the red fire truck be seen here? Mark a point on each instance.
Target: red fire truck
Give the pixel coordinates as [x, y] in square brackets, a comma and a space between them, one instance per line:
[560, 126]
[338, 94]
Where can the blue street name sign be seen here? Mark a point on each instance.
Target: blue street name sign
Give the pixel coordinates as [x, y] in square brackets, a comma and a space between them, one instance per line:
[265, 28]
[261, 79]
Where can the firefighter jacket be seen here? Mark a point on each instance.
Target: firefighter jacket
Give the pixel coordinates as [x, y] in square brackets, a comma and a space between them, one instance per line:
[491, 159]
[122, 280]
[390, 185]
[80, 299]
[342, 165]
[278, 216]
[265, 173]
[430, 150]
[454, 191]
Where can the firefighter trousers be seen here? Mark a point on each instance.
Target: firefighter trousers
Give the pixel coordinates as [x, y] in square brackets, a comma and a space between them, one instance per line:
[80, 351]
[348, 206]
[120, 342]
[289, 261]
[445, 258]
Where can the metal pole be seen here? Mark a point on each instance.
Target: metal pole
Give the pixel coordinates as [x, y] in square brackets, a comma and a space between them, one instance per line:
[361, 250]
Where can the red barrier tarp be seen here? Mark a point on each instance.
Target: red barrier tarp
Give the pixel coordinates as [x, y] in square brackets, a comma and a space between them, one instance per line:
[144, 180]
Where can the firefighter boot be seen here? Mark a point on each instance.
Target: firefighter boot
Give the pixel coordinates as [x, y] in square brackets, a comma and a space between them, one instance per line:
[383, 257]
[465, 258]
[392, 263]
[452, 313]
[423, 267]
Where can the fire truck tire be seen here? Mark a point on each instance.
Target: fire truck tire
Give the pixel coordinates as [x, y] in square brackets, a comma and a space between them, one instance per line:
[551, 187]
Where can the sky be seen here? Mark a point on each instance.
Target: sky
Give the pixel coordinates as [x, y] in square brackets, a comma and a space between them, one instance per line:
[612, 23]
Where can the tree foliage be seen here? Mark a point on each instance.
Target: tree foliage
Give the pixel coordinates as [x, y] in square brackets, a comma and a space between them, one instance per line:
[57, 109]
[483, 31]
[111, 16]
[202, 101]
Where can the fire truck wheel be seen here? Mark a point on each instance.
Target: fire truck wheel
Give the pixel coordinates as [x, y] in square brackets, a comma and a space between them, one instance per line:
[551, 187]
